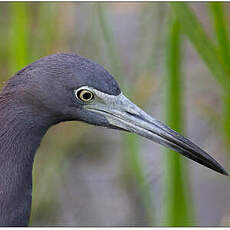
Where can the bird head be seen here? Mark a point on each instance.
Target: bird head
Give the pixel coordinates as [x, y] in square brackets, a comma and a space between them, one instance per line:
[69, 87]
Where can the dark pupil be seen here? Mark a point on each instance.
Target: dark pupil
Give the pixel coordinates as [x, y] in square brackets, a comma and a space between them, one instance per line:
[87, 96]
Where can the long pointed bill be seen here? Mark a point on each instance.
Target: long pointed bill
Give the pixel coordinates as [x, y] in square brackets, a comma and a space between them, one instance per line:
[122, 113]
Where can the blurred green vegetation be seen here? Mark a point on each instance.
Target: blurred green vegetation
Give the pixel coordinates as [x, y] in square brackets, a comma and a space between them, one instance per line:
[213, 52]
[33, 30]
[177, 211]
[131, 143]
[19, 37]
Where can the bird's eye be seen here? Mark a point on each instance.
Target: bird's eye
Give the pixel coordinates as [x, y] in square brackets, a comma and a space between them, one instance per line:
[85, 95]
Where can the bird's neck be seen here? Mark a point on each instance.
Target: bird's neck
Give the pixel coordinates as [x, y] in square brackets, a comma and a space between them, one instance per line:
[20, 135]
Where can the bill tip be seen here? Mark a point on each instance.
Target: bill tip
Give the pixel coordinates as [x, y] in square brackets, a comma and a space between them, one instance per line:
[224, 172]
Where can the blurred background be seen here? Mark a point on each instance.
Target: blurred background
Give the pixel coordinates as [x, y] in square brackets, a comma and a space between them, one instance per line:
[172, 60]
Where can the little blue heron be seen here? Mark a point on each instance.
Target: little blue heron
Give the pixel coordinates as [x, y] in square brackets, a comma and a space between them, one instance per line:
[58, 88]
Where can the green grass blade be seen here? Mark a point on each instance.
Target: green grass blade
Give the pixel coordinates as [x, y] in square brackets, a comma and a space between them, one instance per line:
[195, 32]
[19, 38]
[177, 213]
[131, 143]
[221, 33]
[131, 147]
[220, 26]
[215, 57]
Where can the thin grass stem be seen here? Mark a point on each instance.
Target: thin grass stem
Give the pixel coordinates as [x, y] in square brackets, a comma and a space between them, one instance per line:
[131, 143]
[177, 208]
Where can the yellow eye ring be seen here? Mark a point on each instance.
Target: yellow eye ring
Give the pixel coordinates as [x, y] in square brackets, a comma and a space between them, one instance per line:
[85, 95]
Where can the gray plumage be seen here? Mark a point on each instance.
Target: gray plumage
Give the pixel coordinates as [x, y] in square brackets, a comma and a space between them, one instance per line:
[45, 93]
